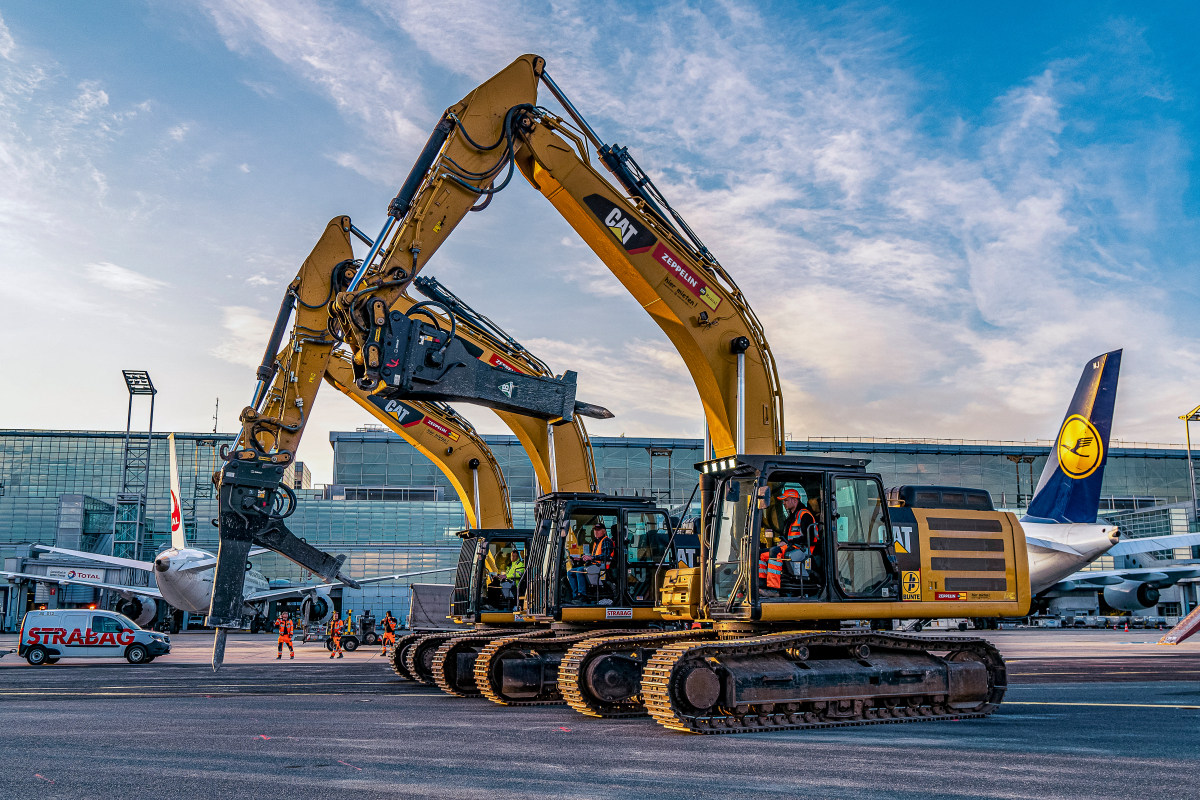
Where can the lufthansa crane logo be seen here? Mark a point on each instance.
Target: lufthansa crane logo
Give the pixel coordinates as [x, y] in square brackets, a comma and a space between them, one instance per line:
[1079, 447]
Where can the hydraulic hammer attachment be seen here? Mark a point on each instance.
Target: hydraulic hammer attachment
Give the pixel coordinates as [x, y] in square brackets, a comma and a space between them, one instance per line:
[250, 493]
[415, 360]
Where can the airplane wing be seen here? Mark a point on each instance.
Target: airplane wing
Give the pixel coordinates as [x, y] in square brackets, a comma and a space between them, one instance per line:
[142, 590]
[275, 594]
[120, 562]
[1149, 544]
[1160, 577]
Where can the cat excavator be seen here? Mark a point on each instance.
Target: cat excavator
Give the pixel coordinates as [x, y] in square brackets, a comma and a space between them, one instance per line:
[438, 362]
[772, 583]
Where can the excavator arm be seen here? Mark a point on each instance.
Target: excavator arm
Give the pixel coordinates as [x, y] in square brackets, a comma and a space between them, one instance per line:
[647, 245]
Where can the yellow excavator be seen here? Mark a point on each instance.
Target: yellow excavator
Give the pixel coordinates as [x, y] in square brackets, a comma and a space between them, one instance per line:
[791, 546]
[773, 583]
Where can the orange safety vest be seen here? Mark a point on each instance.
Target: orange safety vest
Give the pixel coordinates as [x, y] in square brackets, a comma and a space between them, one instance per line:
[770, 562]
[286, 627]
[598, 549]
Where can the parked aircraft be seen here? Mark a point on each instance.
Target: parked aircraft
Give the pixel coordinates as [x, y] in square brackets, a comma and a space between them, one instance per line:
[183, 576]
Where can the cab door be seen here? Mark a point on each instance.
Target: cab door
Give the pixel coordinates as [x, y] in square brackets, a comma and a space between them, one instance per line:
[861, 559]
[646, 539]
[105, 633]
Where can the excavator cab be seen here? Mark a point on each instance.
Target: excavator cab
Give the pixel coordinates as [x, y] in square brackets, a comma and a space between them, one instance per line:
[795, 530]
[806, 541]
[486, 585]
[599, 558]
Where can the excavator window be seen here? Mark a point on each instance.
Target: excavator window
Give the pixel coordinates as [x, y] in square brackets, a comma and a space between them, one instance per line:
[790, 553]
[588, 578]
[731, 540]
[862, 537]
[501, 593]
[646, 539]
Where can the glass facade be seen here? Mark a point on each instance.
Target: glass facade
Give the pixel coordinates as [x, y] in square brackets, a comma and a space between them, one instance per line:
[64, 483]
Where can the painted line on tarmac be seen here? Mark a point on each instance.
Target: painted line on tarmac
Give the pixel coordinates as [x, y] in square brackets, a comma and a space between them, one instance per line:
[1102, 705]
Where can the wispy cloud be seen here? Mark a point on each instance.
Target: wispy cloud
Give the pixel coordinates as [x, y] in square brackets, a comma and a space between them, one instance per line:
[7, 45]
[246, 333]
[326, 49]
[120, 279]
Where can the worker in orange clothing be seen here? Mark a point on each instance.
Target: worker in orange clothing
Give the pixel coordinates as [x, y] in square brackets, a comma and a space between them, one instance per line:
[286, 628]
[389, 632]
[335, 636]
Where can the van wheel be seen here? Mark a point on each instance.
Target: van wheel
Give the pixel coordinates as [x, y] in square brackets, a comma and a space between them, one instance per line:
[37, 656]
[137, 654]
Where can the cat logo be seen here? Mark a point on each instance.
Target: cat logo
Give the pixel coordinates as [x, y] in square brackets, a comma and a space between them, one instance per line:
[507, 388]
[633, 237]
[1079, 448]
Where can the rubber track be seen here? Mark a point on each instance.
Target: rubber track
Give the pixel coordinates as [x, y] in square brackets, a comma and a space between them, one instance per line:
[447, 651]
[398, 662]
[483, 665]
[660, 671]
[570, 680]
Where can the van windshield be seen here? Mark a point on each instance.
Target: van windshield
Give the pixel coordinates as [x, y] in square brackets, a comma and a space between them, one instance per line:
[127, 622]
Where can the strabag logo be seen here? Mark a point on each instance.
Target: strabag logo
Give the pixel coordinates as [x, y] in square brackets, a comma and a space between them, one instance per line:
[618, 613]
[633, 237]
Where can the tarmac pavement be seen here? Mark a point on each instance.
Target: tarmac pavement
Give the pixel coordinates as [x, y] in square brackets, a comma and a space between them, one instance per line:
[1092, 714]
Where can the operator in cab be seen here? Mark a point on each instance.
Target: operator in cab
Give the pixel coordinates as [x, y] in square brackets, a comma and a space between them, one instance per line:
[797, 531]
[516, 567]
[600, 556]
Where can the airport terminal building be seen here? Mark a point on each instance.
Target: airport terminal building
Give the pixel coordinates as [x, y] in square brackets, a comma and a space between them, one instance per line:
[390, 510]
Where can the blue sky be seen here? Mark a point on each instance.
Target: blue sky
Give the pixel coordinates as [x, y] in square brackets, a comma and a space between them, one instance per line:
[939, 210]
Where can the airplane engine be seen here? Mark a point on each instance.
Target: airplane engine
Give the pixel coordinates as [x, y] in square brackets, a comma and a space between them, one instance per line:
[139, 608]
[316, 608]
[1131, 596]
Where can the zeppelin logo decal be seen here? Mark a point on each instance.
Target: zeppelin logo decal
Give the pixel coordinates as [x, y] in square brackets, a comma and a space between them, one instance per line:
[950, 596]
[633, 237]
[442, 429]
[618, 613]
[497, 361]
[675, 266]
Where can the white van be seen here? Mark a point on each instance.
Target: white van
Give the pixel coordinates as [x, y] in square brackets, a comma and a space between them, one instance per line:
[47, 636]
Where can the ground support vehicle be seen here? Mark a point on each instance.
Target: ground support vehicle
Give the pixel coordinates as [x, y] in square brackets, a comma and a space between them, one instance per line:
[54, 634]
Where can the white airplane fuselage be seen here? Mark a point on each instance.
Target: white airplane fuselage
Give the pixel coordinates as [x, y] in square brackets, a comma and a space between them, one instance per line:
[1048, 566]
[191, 590]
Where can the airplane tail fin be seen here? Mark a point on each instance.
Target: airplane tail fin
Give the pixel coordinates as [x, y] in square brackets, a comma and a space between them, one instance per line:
[1069, 489]
[178, 540]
